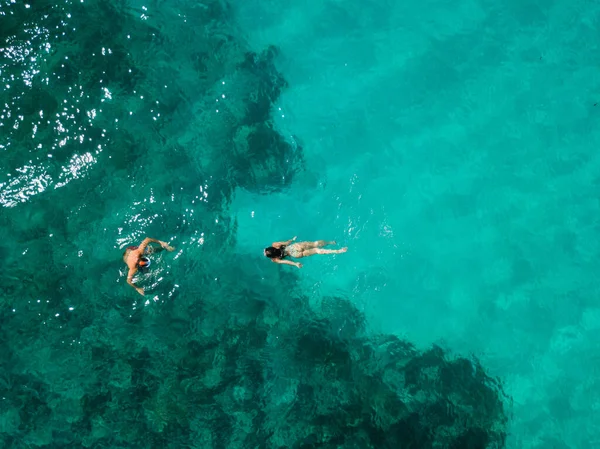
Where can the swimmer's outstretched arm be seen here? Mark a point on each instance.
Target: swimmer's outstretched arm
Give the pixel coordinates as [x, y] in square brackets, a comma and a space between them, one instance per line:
[286, 243]
[132, 271]
[148, 240]
[287, 262]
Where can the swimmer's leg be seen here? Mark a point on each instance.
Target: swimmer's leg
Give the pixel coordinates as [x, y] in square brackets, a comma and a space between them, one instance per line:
[313, 251]
[322, 243]
[317, 244]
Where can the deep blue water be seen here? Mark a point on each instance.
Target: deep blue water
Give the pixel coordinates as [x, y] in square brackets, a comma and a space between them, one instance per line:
[450, 146]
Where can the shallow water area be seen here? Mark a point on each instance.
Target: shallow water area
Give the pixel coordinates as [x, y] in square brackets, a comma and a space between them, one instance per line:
[454, 146]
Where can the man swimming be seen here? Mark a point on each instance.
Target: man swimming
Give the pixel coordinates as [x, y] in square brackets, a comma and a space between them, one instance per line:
[279, 250]
[134, 257]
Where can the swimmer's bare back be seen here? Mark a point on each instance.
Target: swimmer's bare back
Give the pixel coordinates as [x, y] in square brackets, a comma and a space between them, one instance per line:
[278, 251]
[134, 258]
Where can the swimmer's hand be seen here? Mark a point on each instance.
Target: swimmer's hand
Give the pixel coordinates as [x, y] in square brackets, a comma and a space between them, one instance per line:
[140, 290]
[166, 246]
[299, 265]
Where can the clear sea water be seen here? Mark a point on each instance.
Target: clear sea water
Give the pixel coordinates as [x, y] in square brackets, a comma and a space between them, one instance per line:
[451, 146]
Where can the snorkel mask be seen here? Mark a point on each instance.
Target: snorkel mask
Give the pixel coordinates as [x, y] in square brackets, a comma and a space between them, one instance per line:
[144, 262]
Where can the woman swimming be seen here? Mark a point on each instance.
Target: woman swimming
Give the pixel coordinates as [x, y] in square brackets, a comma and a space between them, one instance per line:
[278, 251]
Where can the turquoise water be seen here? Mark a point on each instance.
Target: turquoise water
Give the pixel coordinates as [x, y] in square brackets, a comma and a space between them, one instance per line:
[455, 146]
[449, 146]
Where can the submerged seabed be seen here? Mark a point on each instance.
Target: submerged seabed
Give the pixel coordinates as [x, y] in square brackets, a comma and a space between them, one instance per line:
[114, 128]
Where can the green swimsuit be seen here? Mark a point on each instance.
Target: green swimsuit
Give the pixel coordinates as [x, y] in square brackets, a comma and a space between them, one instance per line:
[294, 250]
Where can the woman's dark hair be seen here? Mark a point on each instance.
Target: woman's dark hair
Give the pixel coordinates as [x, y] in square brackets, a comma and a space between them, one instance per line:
[274, 253]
